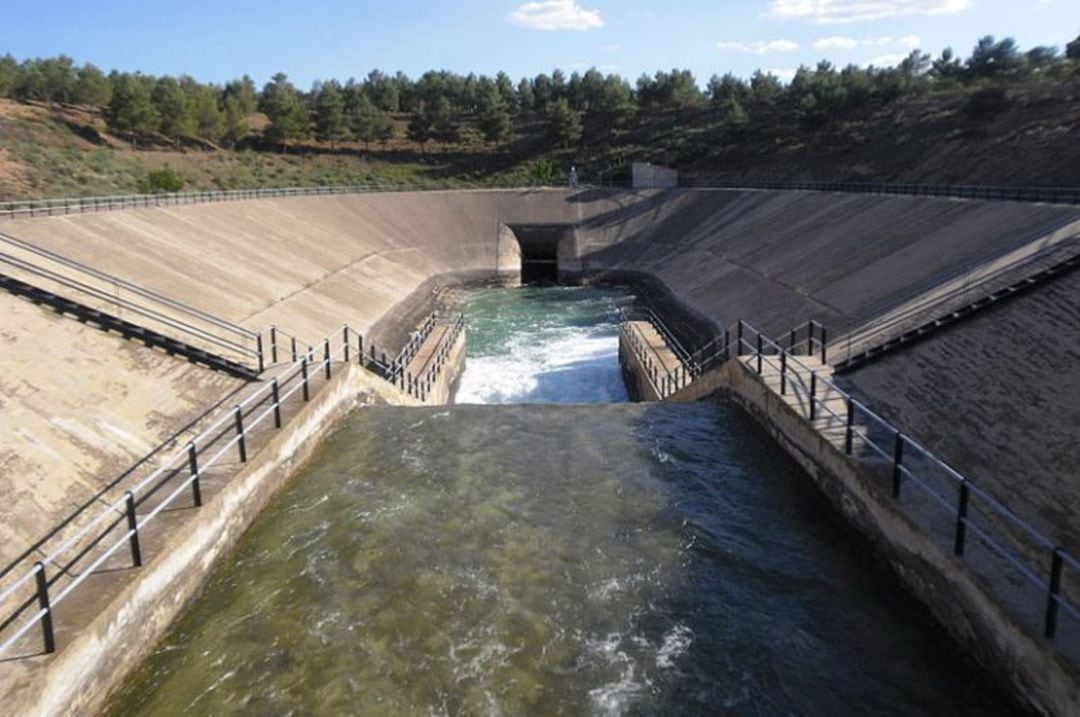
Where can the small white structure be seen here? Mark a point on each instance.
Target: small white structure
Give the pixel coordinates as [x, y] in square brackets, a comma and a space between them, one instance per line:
[652, 176]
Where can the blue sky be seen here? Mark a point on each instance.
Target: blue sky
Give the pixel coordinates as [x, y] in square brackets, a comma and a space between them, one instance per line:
[216, 40]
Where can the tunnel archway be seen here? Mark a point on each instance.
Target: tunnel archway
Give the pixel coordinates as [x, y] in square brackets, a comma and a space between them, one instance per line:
[536, 253]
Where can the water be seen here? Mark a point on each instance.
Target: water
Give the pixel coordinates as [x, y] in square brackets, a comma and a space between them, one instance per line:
[552, 560]
[543, 345]
[624, 559]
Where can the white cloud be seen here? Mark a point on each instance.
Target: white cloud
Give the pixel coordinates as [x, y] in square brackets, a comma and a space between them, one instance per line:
[784, 74]
[840, 42]
[556, 15]
[839, 12]
[760, 47]
[887, 61]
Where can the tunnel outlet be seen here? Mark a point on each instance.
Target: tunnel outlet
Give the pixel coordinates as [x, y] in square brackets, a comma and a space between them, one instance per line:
[536, 253]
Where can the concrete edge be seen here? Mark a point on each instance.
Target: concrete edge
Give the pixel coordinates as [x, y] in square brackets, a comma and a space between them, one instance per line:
[93, 666]
[1041, 679]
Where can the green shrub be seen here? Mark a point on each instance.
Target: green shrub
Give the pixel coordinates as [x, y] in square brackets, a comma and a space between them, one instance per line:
[987, 103]
[162, 181]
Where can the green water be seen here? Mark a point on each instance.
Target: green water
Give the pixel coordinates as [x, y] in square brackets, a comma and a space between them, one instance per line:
[552, 560]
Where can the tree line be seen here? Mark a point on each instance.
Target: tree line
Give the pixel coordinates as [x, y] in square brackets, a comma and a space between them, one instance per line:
[590, 107]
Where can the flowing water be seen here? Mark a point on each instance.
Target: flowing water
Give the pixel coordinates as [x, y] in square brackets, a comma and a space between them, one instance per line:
[543, 345]
[552, 560]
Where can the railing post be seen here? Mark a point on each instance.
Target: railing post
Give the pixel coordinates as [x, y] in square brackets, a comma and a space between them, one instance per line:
[43, 603]
[133, 526]
[304, 378]
[783, 372]
[739, 339]
[760, 349]
[273, 344]
[849, 435]
[242, 443]
[898, 462]
[961, 518]
[259, 350]
[810, 337]
[193, 469]
[274, 392]
[823, 356]
[292, 341]
[1052, 594]
[360, 348]
[326, 356]
[345, 343]
[813, 395]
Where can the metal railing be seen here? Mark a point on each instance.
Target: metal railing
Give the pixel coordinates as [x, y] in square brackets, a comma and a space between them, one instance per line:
[1036, 596]
[86, 550]
[28, 208]
[664, 380]
[96, 289]
[421, 385]
[1049, 195]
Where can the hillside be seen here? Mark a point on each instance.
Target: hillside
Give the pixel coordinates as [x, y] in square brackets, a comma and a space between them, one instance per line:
[1030, 138]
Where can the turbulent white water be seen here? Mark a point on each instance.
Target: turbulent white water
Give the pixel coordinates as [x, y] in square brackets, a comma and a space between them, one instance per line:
[542, 345]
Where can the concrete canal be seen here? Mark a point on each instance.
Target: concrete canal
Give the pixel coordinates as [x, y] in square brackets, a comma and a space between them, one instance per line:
[537, 560]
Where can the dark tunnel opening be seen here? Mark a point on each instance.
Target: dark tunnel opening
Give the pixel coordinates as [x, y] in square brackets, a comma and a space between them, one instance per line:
[540, 252]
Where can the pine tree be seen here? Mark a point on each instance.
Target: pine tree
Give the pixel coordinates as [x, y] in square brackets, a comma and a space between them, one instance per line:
[420, 129]
[91, 87]
[330, 122]
[564, 124]
[235, 121]
[494, 118]
[175, 117]
[445, 128]
[9, 75]
[288, 116]
[131, 110]
[369, 123]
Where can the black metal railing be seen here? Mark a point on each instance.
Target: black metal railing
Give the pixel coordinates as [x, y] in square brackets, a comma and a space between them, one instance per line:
[665, 380]
[29, 208]
[47, 270]
[87, 547]
[1050, 195]
[1036, 595]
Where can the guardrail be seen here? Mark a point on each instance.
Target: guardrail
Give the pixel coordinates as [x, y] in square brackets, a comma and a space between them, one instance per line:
[99, 289]
[1050, 195]
[81, 205]
[1035, 596]
[85, 550]
[665, 381]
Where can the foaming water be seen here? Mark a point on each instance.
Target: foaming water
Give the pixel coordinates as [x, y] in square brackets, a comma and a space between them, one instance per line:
[552, 560]
[542, 345]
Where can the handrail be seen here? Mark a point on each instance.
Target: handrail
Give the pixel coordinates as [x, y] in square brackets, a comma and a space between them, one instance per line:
[78, 205]
[130, 286]
[1051, 195]
[663, 380]
[766, 350]
[239, 420]
[145, 312]
[177, 316]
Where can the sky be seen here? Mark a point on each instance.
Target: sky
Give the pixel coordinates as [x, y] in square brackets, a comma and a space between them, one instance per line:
[218, 40]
